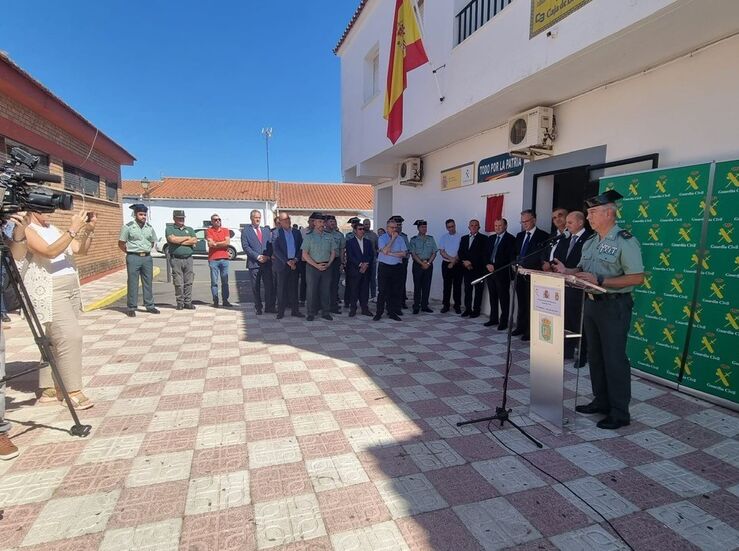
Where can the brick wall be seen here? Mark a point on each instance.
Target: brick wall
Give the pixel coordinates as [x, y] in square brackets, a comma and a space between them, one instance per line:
[104, 254]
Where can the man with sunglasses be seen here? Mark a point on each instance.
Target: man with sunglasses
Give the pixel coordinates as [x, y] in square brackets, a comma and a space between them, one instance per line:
[218, 239]
[360, 256]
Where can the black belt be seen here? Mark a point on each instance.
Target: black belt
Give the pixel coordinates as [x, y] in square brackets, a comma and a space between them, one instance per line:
[608, 296]
[139, 254]
[180, 257]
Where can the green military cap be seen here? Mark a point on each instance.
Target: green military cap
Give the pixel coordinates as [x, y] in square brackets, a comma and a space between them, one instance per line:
[397, 218]
[610, 196]
[420, 223]
[329, 217]
[138, 207]
[354, 220]
[316, 216]
[178, 214]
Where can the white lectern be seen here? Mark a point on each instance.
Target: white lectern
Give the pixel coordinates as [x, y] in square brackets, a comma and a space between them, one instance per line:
[547, 315]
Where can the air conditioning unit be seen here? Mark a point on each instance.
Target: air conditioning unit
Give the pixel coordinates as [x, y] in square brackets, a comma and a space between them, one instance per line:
[531, 133]
[411, 172]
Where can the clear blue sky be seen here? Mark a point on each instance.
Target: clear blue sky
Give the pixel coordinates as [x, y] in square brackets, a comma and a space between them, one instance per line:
[186, 86]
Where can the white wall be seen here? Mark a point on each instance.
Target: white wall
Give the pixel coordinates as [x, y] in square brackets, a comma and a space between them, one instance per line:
[685, 110]
[494, 58]
[232, 213]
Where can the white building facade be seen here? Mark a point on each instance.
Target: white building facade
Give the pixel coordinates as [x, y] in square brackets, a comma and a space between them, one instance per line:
[632, 83]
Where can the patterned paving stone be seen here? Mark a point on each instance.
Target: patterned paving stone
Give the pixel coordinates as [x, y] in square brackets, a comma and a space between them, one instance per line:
[226, 530]
[273, 452]
[586, 539]
[676, 479]
[150, 503]
[30, 486]
[718, 420]
[496, 524]
[165, 467]
[329, 473]
[384, 535]
[661, 444]
[164, 536]
[288, 520]
[508, 474]
[69, 517]
[598, 496]
[226, 434]
[697, 526]
[409, 495]
[590, 458]
[352, 507]
[218, 491]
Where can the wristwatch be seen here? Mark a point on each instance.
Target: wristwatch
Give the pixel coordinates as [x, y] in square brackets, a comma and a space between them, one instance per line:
[72, 233]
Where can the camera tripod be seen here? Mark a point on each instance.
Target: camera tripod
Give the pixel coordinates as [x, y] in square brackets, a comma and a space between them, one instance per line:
[47, 356]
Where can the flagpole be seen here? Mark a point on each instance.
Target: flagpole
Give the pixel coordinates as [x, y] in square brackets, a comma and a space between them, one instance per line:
[417, 15]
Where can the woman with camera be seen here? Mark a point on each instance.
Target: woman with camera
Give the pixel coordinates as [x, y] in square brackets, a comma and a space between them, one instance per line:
[14, 236]
[51, 278]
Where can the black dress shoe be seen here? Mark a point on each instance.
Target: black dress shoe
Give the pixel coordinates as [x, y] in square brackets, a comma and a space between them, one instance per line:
[416, 310]
[280, 316]
[179, 307]
[427, 310]
[466, 314]
[591, 408]
[445, 309]
[490, 323]
[188, 307]
[377, 317]
[153, 310]
[475, 315]
[367, 313]
[457, 309]
[517, 332]
[270, 311]
[502, 327]
[526, 338]
[5, 318]
[327, 317]
[395, 317]
[259, 312]
[310, 318]
[609, 423]
[215, 304]
[297, 314]
[404, 306]
[227, 304]
[352, 313]
[131, 313]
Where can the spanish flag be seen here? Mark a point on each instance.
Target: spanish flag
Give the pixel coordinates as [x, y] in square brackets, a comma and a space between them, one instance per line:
[406, 53]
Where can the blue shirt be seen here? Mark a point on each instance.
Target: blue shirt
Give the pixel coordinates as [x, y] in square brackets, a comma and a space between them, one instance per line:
[398, 246]
[290, 240]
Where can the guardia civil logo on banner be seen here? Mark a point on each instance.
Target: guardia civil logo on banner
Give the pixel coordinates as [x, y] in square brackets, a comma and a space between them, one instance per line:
[677, 334]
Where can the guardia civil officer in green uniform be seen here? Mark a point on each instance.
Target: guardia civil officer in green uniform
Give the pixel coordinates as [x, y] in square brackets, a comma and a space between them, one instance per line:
[423, 250]
[319, 252]
[181, 240]
[339, 246]
[136, 239]
[612, 259]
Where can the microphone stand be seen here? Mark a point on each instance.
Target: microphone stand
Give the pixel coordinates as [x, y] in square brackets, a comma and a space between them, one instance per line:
[502, 413]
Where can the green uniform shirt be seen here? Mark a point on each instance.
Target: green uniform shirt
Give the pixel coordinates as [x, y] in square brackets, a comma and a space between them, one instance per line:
[613, 256]
[319, 245]
[180, 250]
[423, 247]
[339, 241]
[138, 239]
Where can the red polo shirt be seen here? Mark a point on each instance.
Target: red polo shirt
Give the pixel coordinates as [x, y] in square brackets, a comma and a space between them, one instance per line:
[217, 235]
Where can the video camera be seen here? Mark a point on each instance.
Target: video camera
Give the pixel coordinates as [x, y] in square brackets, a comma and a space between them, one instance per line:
[21, 190]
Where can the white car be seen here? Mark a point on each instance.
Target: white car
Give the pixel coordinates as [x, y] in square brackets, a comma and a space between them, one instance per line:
[202, 247]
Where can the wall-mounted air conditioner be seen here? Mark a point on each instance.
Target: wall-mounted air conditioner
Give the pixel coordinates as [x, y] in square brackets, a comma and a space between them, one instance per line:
[411, 172]
[531, 133]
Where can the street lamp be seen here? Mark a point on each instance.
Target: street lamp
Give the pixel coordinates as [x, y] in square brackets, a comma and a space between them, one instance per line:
[146, 185]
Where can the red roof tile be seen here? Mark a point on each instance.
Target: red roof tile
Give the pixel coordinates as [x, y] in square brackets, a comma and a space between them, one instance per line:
[295, 195]
[289, 195]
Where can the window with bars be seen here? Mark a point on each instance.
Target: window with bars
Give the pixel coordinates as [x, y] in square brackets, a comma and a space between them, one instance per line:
[81, 181]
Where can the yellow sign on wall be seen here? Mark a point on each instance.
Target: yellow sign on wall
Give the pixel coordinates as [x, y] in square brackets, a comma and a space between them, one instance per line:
[459, 176]
[545, 13]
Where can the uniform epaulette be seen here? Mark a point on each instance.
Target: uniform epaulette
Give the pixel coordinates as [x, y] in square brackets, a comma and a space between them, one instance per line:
[131, 223]
[591, 236]
[625, 234]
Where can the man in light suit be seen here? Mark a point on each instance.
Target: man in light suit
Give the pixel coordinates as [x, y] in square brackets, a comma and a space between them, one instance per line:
[360, 256]
[257, 243]
[501, 247]
[530, 242]
[569, 252]
[472, 253]
[285, 261]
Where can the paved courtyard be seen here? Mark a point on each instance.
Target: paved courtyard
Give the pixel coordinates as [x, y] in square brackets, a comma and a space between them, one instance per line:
[221, 430]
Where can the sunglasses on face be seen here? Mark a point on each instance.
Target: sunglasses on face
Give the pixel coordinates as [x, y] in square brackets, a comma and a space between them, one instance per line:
[215, 219]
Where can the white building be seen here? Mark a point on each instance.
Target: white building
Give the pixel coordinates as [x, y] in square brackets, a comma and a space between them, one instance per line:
[627, 80]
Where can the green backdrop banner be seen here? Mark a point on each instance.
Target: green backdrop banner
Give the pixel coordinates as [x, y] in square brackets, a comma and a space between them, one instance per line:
[683, 320]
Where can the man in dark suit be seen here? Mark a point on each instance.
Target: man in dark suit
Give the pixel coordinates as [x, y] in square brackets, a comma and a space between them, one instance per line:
[257, 243]
[501, 251]
[360, 255]
[529, 243]
[285, 262]
[559, 221]
[569, 252]
[473, 254]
